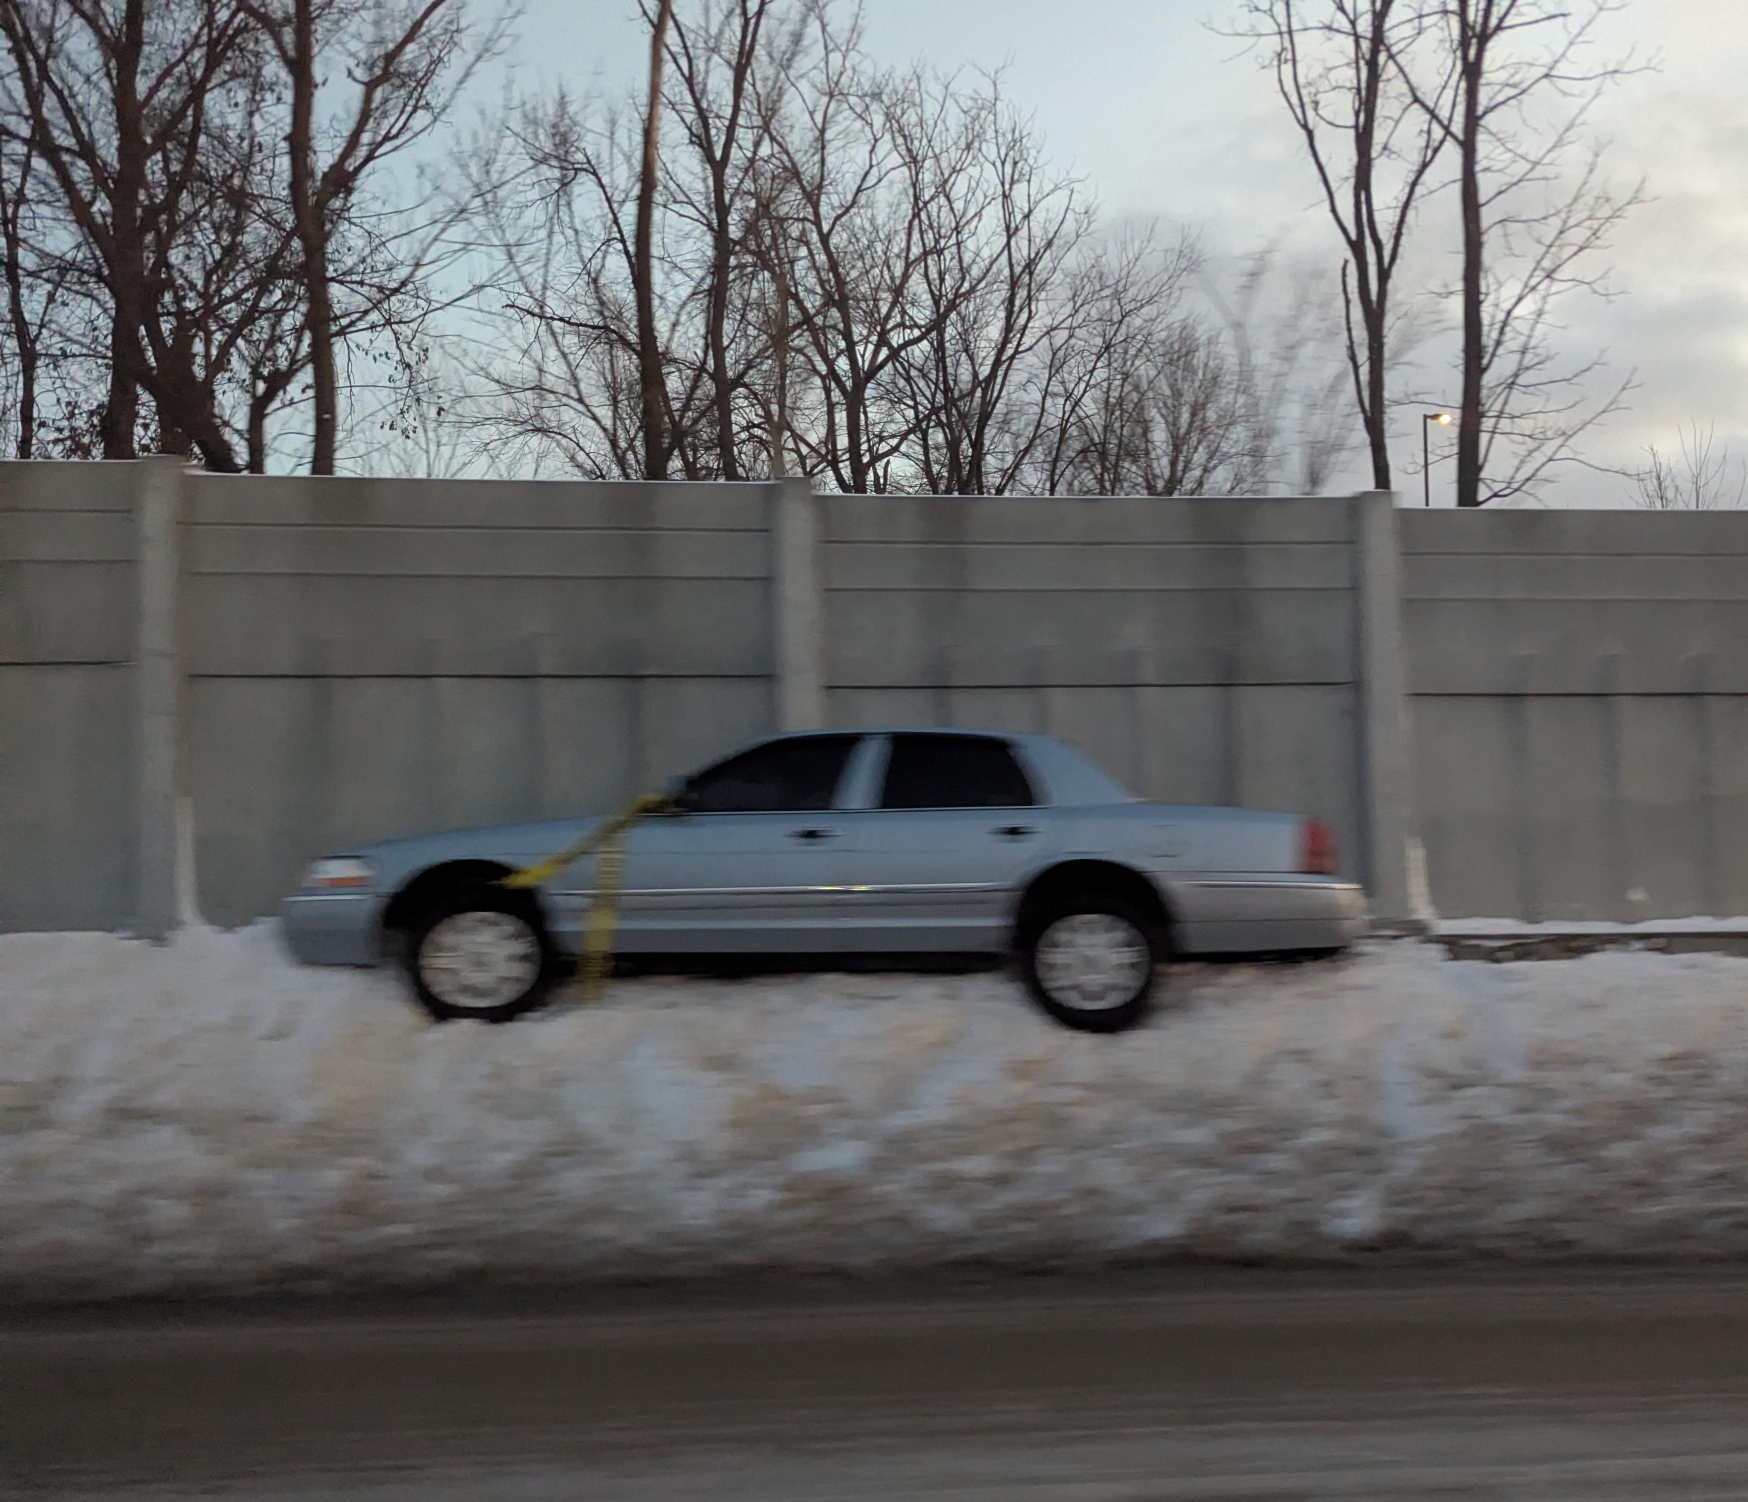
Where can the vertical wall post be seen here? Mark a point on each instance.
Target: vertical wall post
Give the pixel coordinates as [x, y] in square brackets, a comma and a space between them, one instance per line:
[159, 888]
[797, 605]
[1385, 801]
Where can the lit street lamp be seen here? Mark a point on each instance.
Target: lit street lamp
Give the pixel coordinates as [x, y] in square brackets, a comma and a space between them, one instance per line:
[1444, 420]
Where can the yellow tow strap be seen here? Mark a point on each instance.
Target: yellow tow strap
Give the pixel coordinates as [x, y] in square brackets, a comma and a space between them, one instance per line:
[607, 842]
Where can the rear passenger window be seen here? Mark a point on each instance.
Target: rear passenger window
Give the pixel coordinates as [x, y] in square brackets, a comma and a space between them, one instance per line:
[954, 771]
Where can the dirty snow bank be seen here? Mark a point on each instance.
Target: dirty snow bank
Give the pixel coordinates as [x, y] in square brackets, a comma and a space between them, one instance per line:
[209, 1116]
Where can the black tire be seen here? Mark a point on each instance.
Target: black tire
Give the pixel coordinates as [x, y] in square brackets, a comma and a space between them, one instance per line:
[487, 986]
[1122, 990]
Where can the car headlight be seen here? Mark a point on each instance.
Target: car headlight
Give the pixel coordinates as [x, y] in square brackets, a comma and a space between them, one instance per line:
[338, 874]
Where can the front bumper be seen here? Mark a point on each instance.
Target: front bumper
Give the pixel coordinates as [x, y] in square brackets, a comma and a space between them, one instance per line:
[333, 928]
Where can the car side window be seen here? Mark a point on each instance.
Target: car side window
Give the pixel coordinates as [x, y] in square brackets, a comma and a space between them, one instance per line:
[954, 771]
[788, 776]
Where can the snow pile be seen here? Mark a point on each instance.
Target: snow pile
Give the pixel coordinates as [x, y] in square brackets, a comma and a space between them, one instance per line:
[209, 1116]
[1489, 928]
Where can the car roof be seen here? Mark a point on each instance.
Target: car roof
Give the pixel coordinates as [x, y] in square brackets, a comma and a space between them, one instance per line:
[1070, 775]
[998, 735]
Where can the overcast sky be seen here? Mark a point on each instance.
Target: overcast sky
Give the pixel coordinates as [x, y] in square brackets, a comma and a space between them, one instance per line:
[1164, 117]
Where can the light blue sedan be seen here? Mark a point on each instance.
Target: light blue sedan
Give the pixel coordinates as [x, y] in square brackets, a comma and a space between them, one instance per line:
[867, 842]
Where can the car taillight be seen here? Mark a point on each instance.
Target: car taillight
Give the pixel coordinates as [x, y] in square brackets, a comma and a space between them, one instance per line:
[1316, 848]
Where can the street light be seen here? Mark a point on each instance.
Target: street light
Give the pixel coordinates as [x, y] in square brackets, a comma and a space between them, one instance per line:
[1444, 420]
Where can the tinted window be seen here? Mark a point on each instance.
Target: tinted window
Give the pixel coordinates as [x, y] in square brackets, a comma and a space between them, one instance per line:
[953, 771]
[783, 777]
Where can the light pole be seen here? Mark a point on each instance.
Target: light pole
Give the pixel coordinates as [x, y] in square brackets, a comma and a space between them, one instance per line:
[1443, 419]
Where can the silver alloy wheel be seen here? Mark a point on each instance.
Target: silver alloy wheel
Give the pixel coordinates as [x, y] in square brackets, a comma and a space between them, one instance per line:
[1093, 962]
[480, 960]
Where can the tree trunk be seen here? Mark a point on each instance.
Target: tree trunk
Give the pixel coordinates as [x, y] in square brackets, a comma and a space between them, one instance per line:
[309, 220]
[653, 395]
[779, 437]
[723, 242]
[1472, 42]
[27, 357]
[127, 266]
[258, 407]
[23, 335]
[720, 273]
[1377, 410]
[187, 419]
[1371, 274]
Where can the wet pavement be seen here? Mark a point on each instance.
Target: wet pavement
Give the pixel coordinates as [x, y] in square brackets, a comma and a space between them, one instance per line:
[1131, 1387]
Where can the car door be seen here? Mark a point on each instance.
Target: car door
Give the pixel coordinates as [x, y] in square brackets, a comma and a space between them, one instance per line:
[956, 825]
[751, 863]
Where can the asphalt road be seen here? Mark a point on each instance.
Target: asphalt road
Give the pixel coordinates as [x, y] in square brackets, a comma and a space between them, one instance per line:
[1131, 1388]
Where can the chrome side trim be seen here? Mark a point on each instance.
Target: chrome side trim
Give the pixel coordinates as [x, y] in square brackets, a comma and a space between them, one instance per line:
[1280, 886]
[946, 886]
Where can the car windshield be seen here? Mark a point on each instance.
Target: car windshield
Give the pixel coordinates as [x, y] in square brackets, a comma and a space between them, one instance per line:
[787, 776]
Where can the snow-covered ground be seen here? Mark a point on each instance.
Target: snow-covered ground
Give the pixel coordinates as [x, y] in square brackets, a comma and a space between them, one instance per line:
[1518, 928]
[209, 1116]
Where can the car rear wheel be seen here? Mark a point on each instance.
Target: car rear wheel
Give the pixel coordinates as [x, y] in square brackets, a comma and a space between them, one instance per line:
[481, 952]
[1090, 963]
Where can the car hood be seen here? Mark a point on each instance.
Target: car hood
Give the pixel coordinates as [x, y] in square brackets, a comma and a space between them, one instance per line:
[513, 845]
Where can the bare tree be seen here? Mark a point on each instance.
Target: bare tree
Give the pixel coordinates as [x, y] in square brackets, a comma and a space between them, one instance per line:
[852, 256]
[1531, 225]
[997, 230]
[118, 116]
[911, 231]
[563, 380]
[1694, 479]
[1149, 396]
[403, 62]
[1339, 66]
[714, 61]
[34, 281]
[870, 277]
[1293, 364]
[651, 387]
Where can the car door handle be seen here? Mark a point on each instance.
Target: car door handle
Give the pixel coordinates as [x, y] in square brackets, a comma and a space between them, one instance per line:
[813, 834]
[1014, 831]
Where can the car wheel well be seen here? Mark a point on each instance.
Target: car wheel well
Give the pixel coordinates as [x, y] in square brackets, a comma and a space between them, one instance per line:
[1084, 878]
[431, 885]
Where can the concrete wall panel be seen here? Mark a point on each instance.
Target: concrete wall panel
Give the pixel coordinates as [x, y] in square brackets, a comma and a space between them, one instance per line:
[66, 536]
[1577, 680]
[1667, 813]
[250, 624]
[1726, 761]
[1081, 566]
[1469, 805]
[297, 500]
[66, 485]
[1602, 577]
[68, 622]
[1639, 534]
[891, 638]
[1292, 751]
[479, 552]
[78, 613]
[984, 520]
[1569, 766]
[67, 805]
[1569, 646]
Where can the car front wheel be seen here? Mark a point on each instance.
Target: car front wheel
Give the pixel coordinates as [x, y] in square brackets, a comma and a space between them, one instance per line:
[1090, 963]
[481, 952]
